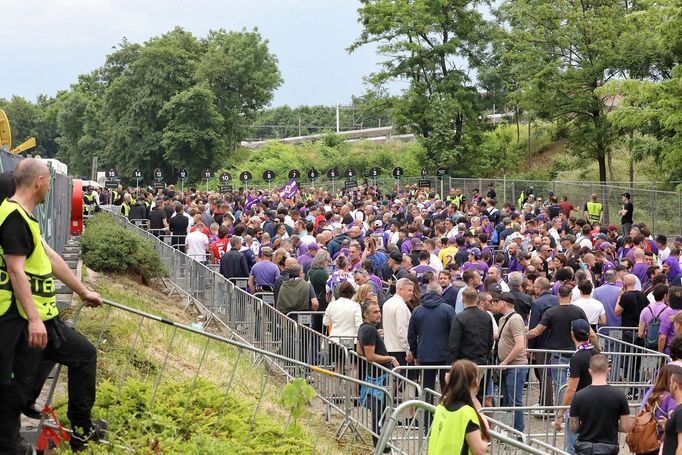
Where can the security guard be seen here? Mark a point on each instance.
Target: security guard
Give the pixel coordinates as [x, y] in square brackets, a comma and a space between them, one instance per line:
[594, 211]
[88, 201]
[127, 203]
[117, 195]
[30, 327]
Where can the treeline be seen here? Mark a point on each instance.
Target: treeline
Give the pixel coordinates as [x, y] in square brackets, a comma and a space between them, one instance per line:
[561, 61]
[605, 75]
[176, 101]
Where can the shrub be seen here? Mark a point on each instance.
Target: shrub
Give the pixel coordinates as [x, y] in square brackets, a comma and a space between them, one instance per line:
[108, 247]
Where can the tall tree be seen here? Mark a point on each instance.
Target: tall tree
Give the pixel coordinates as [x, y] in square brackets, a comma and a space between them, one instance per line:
[431, 44]
[243, 75]
[651, 110]
[561, 52]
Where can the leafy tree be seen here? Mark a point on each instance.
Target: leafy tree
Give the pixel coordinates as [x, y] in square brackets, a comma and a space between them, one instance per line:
[192, 136]
[427, 43]
[164, 103]
[651, 110]
[243, 75]
[560, 53]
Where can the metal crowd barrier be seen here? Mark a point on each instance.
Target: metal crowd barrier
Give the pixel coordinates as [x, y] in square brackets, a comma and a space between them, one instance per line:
[500, 441]
[307, 351]
[173, 356]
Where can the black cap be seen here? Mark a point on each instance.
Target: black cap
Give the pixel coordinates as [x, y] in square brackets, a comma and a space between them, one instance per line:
[396, 255]
[580, 328]
[495, 291]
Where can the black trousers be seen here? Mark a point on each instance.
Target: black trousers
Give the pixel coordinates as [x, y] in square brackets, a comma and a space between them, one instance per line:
[24, 370]
[75, 352]
[18, 364]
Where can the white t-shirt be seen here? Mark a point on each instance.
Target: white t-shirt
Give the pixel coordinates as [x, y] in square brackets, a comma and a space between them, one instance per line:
[593, 308]
[196, 242]
[344, 316]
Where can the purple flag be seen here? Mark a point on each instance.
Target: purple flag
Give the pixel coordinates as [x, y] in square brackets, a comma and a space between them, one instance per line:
[289, 189]
[251, 201]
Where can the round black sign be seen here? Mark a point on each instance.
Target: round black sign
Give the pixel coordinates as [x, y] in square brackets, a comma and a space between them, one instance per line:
[312, 174]
[183, 173]
[111, 173]
[424, 172]
[137, 173]
[294, 174]
[207, 174]
[225, 177]
[158, 174]
[333, 173]
[350, 173]
[268, 175]
[441, 171]
[374, 172]
[398, 172]
[245, 176]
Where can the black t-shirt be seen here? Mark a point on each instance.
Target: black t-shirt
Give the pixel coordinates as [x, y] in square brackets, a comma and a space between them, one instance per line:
[15, 235]
[599, 423]
[557, 321]
[633, 302]
[579, 367]
[368, 335]
[672, 427]
[627, 218]
[156, 218]
[178, 224]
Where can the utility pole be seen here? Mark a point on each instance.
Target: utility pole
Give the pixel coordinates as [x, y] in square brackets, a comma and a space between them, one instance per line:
[93, 170]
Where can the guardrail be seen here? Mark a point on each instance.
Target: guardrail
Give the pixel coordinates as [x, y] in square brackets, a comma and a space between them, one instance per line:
[312, 353]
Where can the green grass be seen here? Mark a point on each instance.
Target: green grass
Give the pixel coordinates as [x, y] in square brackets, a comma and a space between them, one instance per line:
[215, 411]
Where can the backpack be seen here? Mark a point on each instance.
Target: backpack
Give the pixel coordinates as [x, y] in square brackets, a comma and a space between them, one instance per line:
[642, 437]
[652, 329]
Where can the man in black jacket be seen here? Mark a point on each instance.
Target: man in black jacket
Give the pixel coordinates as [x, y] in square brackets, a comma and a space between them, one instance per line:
[471, 332]
[233, 263]
[428, 333]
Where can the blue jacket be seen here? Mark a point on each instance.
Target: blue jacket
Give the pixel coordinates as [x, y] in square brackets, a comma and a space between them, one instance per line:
[542, 303]
[429, 329]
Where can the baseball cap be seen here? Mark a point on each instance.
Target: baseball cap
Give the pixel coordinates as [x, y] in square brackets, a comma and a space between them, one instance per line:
[495, 291]
[678, 239]
[605, 245]
[396, 255]
[313, 246]
[627, 195]
[507, 297]
[452, 239]
[476, 252]
[267, 251]
[378, 223]
[580, 327]
[515, 235]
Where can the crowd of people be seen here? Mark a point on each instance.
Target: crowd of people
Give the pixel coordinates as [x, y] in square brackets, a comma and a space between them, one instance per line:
[416, 278]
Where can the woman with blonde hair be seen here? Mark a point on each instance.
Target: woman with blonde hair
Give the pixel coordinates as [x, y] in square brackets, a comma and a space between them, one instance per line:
[365, 293]
[457, 425]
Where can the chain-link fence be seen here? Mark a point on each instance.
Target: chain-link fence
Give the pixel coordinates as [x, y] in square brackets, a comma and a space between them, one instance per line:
[54, 214]
[660, 210]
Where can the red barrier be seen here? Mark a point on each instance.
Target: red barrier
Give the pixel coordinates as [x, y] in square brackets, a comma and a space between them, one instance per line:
[77, 208]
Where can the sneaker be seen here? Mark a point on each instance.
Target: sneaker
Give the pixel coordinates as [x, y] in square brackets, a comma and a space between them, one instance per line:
[82, 435]
[32, 411]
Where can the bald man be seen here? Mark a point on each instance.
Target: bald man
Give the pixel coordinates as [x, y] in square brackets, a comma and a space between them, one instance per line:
[30, 327]
[630, 305]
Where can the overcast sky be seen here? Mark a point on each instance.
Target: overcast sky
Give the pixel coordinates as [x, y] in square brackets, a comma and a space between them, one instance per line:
[45, 45]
